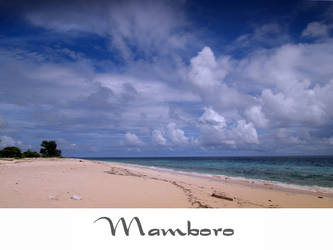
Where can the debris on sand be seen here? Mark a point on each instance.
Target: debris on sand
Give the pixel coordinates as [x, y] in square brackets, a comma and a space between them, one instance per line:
[52, 197]
[76, 197]
[222, 196]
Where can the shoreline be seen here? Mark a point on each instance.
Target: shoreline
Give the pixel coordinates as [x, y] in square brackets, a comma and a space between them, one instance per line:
[238, 179]
[53, 182]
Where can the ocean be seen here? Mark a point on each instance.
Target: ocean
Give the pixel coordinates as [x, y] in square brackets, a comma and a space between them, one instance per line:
[302, 171]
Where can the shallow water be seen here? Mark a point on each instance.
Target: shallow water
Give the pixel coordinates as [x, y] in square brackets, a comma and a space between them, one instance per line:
[304, 171]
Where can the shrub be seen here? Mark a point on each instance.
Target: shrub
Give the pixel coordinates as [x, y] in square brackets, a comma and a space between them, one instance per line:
[11, 152]
[30, 154]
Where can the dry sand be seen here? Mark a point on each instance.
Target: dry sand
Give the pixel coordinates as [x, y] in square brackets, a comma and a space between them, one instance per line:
[41, 183]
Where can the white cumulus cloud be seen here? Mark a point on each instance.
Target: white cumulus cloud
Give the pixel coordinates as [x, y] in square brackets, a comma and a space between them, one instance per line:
[158, 137]
[212, 118]
[131, 140]
[215, 132]
[255, 115]
[7, 141]
[246, 132]
[205, 71]
[177, 135]
[316, 29]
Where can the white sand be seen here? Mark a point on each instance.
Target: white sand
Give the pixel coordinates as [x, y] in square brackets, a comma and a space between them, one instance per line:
[55, 182]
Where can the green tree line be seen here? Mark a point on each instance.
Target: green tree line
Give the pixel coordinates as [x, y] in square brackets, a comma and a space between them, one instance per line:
[48, 149]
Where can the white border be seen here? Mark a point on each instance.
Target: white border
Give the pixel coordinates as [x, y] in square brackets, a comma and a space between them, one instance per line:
[254, 229]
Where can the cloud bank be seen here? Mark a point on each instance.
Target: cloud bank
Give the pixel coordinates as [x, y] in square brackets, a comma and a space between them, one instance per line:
[152, 82]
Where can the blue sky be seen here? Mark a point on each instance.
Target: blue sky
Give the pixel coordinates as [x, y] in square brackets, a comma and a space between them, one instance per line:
[167, 78]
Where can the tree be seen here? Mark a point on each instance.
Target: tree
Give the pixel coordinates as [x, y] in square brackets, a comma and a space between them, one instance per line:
[30, 154]
[50, 149]
[11, 152]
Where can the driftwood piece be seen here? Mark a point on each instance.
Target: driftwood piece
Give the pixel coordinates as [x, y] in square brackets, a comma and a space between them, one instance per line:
[220, 196]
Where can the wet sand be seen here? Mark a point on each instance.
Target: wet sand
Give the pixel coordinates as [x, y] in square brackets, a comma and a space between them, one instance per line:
[75, 183]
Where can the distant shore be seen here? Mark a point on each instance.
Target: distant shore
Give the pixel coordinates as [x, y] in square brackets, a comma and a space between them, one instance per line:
[67, 182]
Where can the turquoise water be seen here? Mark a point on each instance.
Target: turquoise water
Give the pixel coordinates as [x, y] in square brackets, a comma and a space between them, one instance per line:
[304, 171]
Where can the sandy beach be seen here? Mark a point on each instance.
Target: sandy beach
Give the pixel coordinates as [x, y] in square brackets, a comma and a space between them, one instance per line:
[76, 183]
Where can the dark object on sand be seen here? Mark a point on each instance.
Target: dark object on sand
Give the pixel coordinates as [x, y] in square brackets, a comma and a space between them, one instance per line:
[320, 197]
[220, 196]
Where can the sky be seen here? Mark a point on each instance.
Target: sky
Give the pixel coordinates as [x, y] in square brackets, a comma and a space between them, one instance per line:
[167, 78]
